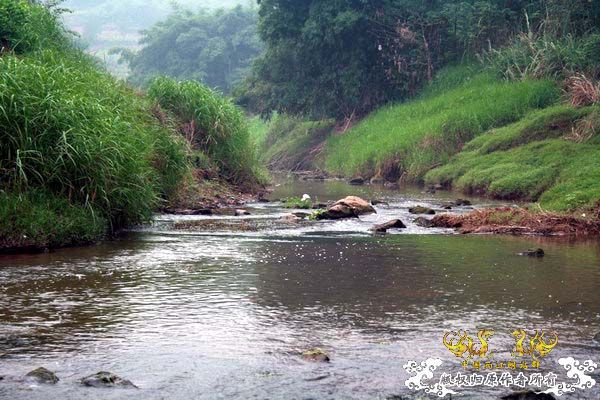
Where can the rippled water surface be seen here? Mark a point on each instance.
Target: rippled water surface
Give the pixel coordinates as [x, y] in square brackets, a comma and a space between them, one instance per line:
[224, 313]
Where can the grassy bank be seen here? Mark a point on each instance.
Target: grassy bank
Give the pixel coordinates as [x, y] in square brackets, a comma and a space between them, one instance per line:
[551, 156]
[84, 155]
[415, 136]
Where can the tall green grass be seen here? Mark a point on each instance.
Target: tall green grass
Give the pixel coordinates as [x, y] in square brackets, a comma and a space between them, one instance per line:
[418, 135]
[81, 154]
[71, 128]
[213, 124]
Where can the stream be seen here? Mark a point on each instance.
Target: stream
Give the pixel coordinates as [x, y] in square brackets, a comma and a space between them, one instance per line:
[223, 308]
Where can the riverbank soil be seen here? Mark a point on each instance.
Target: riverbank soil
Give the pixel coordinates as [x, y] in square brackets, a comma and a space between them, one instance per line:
[518, 221]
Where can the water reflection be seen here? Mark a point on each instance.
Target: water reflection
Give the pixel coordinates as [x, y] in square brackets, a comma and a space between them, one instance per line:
[210, 317]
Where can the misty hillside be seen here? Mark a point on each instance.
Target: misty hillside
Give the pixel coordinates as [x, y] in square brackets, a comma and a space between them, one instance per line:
[104, 24]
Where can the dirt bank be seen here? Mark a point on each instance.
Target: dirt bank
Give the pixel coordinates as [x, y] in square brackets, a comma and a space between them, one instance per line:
[519, 221]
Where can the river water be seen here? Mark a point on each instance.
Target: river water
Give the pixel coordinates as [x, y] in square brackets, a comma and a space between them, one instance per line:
[224, 312]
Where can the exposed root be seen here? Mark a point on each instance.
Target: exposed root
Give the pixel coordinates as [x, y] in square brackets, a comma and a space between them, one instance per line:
[517, 221]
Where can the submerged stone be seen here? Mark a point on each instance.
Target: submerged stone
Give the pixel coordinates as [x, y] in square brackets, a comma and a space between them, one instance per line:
[528, 395]
[421, 210]
[357, 181]
[533, 253]
[104, 379]
[42, 375]
[393, 224]
[462, 202]
[316, 355]
[424, 222]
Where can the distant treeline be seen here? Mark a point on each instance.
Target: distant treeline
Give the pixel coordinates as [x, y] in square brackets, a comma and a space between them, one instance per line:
[344, 58]
[213, 47]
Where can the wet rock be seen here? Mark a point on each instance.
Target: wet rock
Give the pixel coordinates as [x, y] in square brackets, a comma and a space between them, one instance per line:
[447, 207]
[318, 206]
[377, 180]
[376, 202]
[528, 395]
[263, 200]
[42, 375]
[105, 379]
[180, 211]
[315, 355]
[434, 188]
[597, 337]
[358, 205]
[533, 253]
[421, 210]
[337, 211]
[393, 224]
[357, 181]
[392, 185]
[240, 213]
[424, 222]
[462, 202]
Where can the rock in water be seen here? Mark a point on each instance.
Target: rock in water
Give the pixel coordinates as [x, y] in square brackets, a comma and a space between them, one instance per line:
[597, 337]
[316, 355]
[357, 181]
[528, 395]
[358, 205]
[533, 253]
[421, 210]
[424, 222]
[105, 379]
[42, 375]
[349, 207]
[462, 202]
[337, 211]
[393, 224]
[240, 213]
[377, 180]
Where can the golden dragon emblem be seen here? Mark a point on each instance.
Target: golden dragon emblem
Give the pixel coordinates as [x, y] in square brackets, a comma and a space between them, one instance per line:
[537, 345]
[462, 344]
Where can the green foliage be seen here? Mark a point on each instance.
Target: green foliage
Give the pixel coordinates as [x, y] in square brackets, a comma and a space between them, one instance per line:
[37, 220]
[27, 26]
[530, 56]
[215, 48]
[297, 202]
[344, 58]
[415, 136]
[530, 160]
[212, 123]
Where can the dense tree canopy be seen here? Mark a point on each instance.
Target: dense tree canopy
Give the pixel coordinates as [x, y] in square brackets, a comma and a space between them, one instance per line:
[343, 58]
[214, 47]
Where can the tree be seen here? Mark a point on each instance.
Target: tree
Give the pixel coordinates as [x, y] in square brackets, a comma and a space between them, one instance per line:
[215, 48]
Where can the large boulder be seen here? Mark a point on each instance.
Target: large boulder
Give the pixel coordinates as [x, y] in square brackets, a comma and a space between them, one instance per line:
[359, 206]
[349, 207]
[105, 379]
[42, 375]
